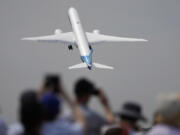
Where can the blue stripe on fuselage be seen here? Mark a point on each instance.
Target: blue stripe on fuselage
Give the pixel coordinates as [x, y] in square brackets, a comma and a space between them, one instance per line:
[88, 59]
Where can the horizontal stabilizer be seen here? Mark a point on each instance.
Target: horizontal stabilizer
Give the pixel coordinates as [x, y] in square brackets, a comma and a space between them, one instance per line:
[97, 65]
[81, 65]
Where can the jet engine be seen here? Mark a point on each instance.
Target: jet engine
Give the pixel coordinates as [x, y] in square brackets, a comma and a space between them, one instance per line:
[58, 31]
[96, 31]
[70, 47]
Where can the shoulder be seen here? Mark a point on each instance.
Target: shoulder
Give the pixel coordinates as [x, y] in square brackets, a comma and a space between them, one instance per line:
[90, 113]
[15, 129]
[159, 130]
[3, 127]
[2, 123]
[69, 125]
[62, 126]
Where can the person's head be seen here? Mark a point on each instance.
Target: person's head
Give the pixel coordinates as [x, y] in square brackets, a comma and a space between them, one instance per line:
[83, 90]
[31, 112]
[157, 118]
[114, 131]
[52, 106]
[130, 114]
[52, 82]
[169, 109]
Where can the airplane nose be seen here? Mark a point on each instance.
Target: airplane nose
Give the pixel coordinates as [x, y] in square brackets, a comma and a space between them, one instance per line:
[71, 9]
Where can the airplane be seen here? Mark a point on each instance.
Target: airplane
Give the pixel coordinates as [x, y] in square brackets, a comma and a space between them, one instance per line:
[81, 40]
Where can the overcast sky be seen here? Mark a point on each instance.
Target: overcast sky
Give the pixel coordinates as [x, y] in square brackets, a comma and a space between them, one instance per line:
[142, 70]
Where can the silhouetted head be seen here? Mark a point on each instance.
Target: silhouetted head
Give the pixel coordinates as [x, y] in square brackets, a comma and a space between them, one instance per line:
[157, 118]
[31, 112]
[52, 105]
[52, 82]
[169, 109]
[84, 89]
[114, 131]
[130, 114]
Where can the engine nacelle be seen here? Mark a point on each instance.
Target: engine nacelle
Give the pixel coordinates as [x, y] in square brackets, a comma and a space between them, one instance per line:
[70, 47]
[96, 31]
[58, 31]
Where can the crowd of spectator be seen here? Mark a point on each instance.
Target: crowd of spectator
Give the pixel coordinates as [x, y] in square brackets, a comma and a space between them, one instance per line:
[41, 113]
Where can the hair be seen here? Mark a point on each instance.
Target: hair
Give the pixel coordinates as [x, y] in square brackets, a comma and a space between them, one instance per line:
[114, 131]
[31, 111]
[169, 108]
[83, 87]
[53, 81]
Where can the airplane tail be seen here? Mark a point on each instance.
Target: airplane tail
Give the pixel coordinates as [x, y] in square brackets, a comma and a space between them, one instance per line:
[97, 65]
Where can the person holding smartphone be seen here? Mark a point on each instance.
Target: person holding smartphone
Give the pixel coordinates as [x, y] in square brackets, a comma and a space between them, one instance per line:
[52, 95]
[84, 89]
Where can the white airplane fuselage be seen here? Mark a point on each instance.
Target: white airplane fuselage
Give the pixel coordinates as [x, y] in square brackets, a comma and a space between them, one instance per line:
[80, 37]
[82, 40]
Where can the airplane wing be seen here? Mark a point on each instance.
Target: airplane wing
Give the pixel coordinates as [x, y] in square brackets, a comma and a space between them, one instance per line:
[95, 38]
[66, 38]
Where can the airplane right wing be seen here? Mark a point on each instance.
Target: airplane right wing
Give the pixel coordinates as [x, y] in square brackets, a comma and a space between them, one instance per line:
[65, 38]
[95, 38]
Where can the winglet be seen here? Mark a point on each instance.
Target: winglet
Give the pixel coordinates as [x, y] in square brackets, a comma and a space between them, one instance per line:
[23, 38]
[144, 40]
[26, 38]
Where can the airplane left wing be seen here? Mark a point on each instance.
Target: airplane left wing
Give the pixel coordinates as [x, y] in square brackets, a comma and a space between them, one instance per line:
[95, 38]
[66, 38]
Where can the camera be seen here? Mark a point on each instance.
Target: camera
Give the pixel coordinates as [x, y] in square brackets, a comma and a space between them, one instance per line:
[95, 91]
